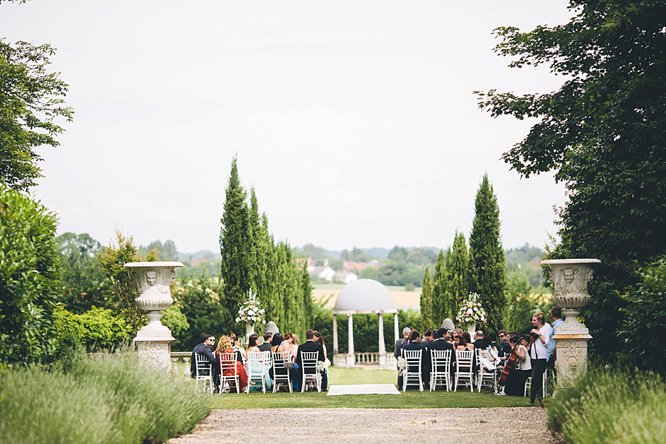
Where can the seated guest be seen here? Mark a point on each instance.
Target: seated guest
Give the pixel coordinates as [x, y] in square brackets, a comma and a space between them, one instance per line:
[415, 344]
[428, 337]
[204, 348]
[266, 345]
[504, 346]
[468, 341]
[324, 374]
[478, 340]
[225, 346]
[252, 343]
[237, 346]
[308, 346]
[276, 342]
[460, 343]
[442, 343]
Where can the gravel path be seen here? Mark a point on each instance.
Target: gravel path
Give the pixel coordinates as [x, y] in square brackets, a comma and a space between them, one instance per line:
[515, 425]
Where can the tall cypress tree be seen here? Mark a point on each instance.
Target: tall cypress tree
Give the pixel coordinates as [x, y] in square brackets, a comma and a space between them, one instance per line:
[486, 255]
[426, 301]
[457, 264]
[235, 247]
[440, 298]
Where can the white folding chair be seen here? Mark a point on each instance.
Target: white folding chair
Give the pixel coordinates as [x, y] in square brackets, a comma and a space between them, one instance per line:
[440, 369]
[544, 388]
[203, 371]
[464, 368]
[280, 371]
[487, 373]
[256, 369]
[228, 372]
[412, 370]
[309, 370]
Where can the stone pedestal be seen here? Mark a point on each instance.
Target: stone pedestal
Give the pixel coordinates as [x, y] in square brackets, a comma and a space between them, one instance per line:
[570, 278]
[153, 341]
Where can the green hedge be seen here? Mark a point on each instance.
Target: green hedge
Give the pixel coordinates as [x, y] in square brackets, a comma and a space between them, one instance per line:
[108, 398]
[611, 406]
[95, 329]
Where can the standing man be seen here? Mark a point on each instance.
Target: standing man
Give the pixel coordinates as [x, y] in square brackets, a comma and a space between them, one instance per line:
[556, 317]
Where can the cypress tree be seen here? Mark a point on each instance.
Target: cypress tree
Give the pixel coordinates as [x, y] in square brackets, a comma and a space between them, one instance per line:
[440, 297]
[235, 247]
[486, 255]
[457, 268]
[426, 302]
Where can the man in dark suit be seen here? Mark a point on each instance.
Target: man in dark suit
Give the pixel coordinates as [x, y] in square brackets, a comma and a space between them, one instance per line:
[266, 346]
[308, 346]
[415, 344]
[441, 343]
[205, 347]
[478, 340]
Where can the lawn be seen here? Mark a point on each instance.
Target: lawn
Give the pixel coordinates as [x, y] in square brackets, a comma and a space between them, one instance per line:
[410, 399]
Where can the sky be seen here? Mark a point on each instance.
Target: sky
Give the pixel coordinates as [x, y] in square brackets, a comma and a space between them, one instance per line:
[355, 121]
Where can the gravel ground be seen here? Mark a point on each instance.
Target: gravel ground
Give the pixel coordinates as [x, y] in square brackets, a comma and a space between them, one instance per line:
[276, 426]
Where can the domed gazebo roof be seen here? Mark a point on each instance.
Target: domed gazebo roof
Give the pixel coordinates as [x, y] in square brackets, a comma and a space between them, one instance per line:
[365, 296]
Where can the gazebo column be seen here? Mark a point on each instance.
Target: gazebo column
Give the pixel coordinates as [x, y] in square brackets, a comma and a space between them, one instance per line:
[335, 334]
[395, 327]
[382, 346]
[351, 358]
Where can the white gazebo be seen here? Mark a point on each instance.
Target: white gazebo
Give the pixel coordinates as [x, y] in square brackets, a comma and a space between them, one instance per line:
[365, 296]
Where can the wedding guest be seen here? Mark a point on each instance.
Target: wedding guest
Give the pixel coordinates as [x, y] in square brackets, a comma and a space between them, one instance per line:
[226, 346]
[415, 344]
[276, 342]
[204, 348]
[428, 337]
[515, 385]
[468, 341]
[319, 338]
[538, 353]
[266, 345]
[556, 317]
[478, 340]
[460, 343]
[252, 343]
[308, 346]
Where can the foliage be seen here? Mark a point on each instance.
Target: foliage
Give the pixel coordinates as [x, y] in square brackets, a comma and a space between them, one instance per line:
[95, 329]
[610, 406]
[107, 398]
[83, 281]
[29, 278]
[31, 101]
[199, 300]
[426, 301]
[441, 298]
[112, 259]
[526, 259]
[486, 255]
[175, 320]
[356, 255]
[166, 251]
[645, 312]
[522, 302]
[235, 247]
[457, 266]
[602, 135]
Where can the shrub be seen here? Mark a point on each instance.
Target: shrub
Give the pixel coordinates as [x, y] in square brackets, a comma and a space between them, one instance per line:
[95, 329]
[645, 312]
[611, 406]
[29, 278]
[108, 398]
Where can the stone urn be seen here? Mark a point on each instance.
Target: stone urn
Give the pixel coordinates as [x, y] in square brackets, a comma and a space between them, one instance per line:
[153, 341]
[570, 278]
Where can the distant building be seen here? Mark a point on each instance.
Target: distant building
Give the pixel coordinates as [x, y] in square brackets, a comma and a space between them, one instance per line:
[326, 273]
[373, 263]
[316, 263]
[346, 277]
[354, 266]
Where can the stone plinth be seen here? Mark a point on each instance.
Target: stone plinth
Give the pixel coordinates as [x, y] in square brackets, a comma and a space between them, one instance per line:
[153, 341]
[570, 278]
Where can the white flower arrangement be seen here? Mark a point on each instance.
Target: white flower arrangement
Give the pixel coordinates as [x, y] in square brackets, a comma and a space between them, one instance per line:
[471, 311]
[402, 363]
[323, 365]
[251, 312]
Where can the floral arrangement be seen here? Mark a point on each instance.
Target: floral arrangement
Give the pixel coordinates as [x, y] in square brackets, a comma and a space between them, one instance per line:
[402, 363]
[250, 312]
[323, 365]
[471, 311]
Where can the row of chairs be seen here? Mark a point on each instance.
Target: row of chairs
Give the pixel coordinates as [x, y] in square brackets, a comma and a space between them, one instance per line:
[257, 367]
[466, 362]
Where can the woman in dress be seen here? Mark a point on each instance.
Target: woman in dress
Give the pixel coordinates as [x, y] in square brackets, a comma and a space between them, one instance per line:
[515, 385]
[226, 346]
[257, 366]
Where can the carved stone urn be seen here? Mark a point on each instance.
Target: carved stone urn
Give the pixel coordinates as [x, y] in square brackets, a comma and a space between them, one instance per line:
[570, 278]
[153, 341]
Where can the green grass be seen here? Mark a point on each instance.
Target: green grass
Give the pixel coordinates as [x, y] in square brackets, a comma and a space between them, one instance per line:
[410, 399]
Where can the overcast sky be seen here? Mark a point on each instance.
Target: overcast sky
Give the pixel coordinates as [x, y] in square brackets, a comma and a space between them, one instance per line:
[354, 120]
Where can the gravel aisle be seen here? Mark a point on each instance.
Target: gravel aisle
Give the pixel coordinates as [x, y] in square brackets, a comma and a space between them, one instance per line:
[492, 425]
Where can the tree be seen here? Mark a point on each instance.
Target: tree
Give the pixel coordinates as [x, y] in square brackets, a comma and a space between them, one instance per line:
[29, 278]
[440, 296]
[235, 247]
[486, 255]
[166, 251]
[426, 302]
[83, 281]
[602, 135]
[457, 264]
[31, 102]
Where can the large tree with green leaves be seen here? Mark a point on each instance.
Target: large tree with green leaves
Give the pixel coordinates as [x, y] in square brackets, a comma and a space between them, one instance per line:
[31, 105]
[602, 133]
[486, 255]
[440, 296]
[235, 246]
[457, 267]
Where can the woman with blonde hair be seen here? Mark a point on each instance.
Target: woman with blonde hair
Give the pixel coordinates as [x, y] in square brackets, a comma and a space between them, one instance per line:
[225, 345]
